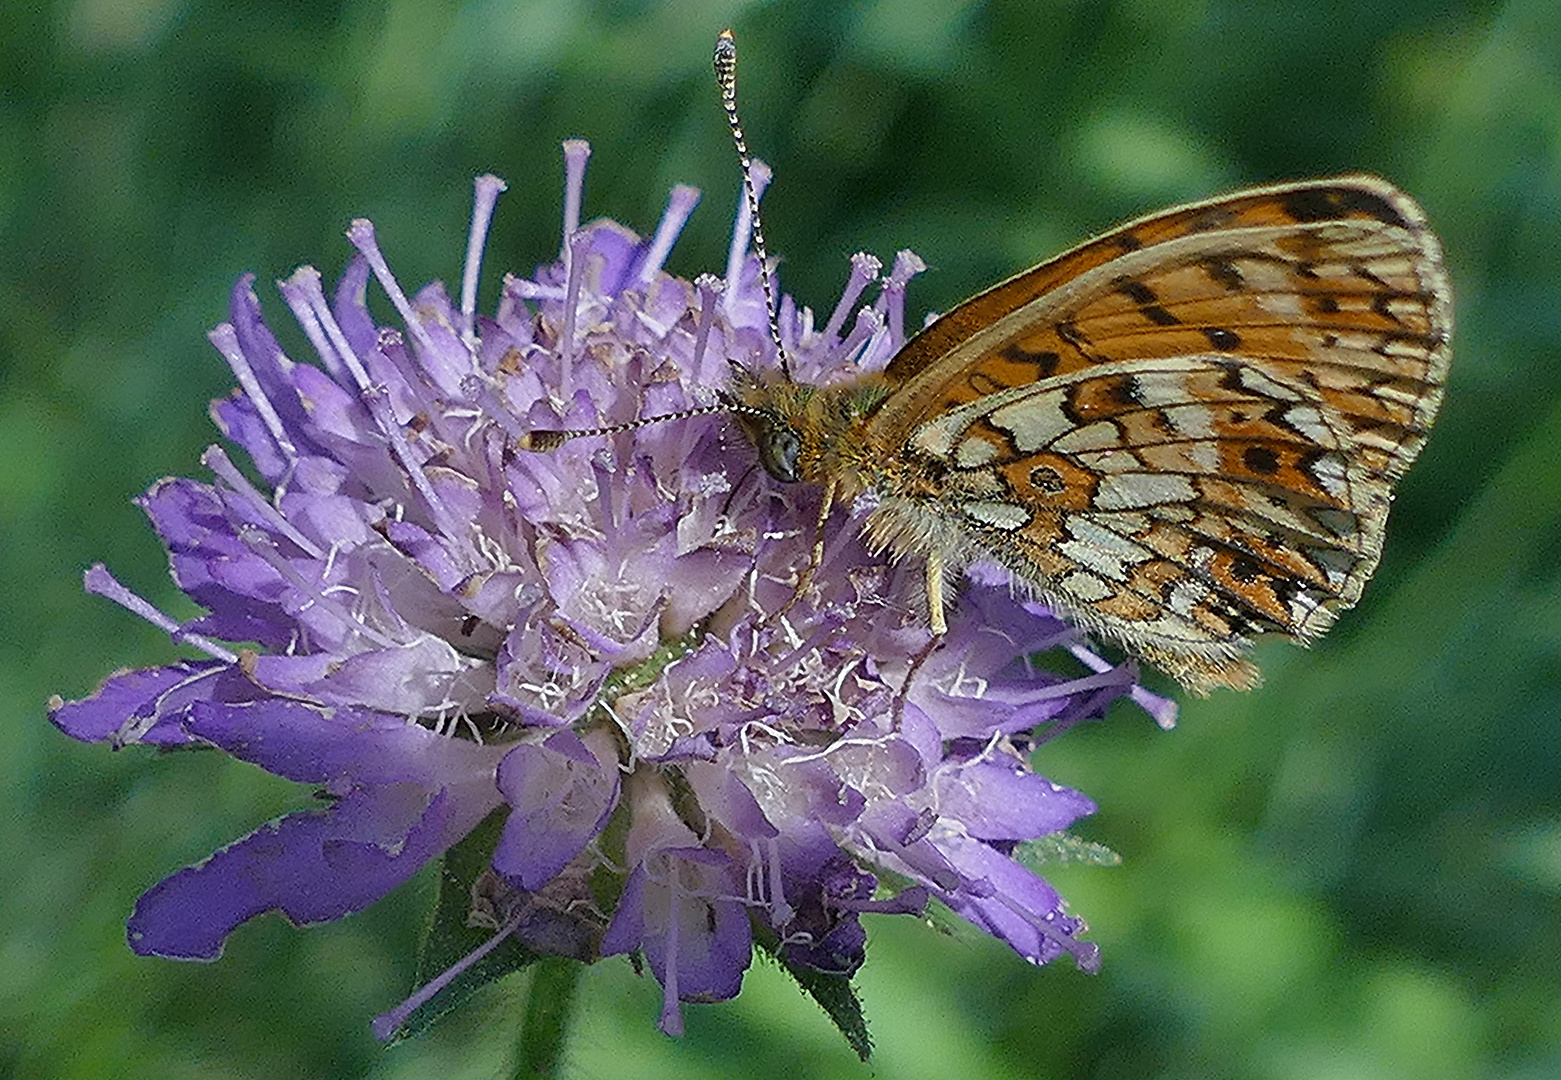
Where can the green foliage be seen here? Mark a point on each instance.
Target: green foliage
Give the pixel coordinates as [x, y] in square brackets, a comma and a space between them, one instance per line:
[451, 935]
[1350, 872]
[1048, 851]
[549, 1009]
[834, 994]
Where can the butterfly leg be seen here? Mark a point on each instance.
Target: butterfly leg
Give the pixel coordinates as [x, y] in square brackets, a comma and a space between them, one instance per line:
[936, 622]
[898, 712]
[816, 557]
[935, 617]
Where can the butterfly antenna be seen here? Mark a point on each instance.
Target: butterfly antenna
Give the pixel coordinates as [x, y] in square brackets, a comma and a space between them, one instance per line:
[726, 77]
[542, 440]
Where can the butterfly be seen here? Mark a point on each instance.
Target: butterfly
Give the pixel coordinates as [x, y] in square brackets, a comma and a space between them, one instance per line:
[1183, 433]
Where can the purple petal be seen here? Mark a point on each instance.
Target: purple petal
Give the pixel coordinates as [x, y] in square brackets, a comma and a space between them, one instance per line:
[147, 706]
[697, 940]
[1016, 905]
[722, 794]
[344, 747]
[627, 929]
[312, 867]
[561, 795]
[1002, 800]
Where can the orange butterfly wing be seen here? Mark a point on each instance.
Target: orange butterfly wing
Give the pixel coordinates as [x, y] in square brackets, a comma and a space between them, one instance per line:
[1185, 431]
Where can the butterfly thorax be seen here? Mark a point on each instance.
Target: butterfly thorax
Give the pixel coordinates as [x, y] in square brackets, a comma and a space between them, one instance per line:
[828, 435]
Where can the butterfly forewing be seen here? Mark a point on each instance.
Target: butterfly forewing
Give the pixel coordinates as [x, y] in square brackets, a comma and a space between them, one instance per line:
[1184, 431]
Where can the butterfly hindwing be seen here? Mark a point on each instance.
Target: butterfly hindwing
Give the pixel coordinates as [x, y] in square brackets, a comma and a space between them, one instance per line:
[1185, 431]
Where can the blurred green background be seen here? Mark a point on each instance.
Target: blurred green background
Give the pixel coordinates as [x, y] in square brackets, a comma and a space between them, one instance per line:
[1354, 872]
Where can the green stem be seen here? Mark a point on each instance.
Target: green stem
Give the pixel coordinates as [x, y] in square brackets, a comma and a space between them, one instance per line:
[548, 1004]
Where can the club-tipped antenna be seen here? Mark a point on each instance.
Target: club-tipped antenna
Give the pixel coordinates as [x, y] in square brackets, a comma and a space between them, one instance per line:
[543, 440]
[726, 77]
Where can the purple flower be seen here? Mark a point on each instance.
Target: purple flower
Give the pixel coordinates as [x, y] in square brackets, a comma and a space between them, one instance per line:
[603, 640]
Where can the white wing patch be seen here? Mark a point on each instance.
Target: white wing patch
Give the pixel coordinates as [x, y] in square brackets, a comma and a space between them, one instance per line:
[1133, 491]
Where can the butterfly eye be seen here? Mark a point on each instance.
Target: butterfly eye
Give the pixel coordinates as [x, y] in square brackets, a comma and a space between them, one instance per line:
[779, 447]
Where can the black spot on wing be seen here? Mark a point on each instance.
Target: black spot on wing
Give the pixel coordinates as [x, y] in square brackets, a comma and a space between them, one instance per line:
[1214, 217]
[1124, 391]
[1395, 337]
[1222, 339]
[1136, 291]
[1382, 304]
[1047, 479]
[1330, 204]
[1148, 302]
[1261, 460]
[1162, 423]
[1244, 569]
[1225, 273]
[1045, 361]
[1365, 273]
[1070, 333]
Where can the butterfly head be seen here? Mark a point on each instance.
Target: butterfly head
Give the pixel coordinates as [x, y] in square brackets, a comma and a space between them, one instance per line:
[803, 433]
[773, 414]
[779, 445]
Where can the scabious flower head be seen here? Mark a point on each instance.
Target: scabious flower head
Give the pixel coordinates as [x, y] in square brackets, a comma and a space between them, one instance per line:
[430, 624]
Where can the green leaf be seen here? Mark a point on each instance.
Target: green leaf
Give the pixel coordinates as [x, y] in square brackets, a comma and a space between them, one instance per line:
[549, 1004]
[449, 937]
[1064, 847]
[940, 917]
[834, 994]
